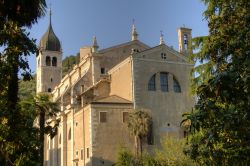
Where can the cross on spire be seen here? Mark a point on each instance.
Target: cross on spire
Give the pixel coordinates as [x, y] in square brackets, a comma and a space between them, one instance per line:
[134, 34]
[161, 38]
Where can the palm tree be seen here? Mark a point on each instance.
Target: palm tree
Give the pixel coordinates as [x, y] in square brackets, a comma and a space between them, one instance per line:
[45, 108]
[139, 124]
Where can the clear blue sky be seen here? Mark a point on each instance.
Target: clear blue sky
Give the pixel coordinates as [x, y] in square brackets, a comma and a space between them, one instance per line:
[76, 22]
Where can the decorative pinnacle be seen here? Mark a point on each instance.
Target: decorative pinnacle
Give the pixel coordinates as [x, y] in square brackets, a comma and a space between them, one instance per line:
[95, 45]
[50, 13]
[161, 38]
[134, 33]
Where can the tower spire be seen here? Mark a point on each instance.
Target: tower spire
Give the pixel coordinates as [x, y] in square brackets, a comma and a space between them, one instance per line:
[161, 39]
[50, 13]
[134, 34]
[94, 44]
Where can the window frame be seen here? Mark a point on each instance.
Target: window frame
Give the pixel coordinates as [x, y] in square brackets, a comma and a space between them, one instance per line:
[48, 61]
[163, 56]
[69, 134]
[87, 153]
[125, 120]
[82, 153]
[54, 61]
[164, 81]
[152, 83]
[100, 119]
[102, 70]
[176, 85]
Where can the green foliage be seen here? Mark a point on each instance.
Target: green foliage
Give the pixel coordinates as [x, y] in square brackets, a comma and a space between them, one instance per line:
[139, 122]
[19, 147]
[27, 89]
[125, 158]
[45, 108]
[170, 153]
[69, 62]
[25, 12]
[220, 122]
[18, 144]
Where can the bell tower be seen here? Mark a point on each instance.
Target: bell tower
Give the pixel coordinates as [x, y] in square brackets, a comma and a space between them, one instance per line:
[48, 61]
[185, 40]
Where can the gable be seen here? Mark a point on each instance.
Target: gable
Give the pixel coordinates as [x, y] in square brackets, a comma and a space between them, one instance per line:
[124, 47]
[162, 53]
[116, 54]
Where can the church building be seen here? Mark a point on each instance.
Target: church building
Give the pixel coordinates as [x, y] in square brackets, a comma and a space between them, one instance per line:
[97, 95]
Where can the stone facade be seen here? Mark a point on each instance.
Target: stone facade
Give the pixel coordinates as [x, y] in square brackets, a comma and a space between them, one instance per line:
[104, 87]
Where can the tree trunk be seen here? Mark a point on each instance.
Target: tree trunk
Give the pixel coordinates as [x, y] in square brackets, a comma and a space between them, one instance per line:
[140, 140]
[41, 136]
[136, 146]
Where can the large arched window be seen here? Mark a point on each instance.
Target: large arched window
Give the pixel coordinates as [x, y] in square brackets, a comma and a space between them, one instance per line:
[151, 84]
[177, 87]
[164, 81]
[54, 61]
[48, 61]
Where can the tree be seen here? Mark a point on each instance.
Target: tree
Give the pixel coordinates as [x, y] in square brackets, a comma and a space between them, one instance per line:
[171, 152]
[15, 45]
[45, 108]
[69, 62]
[139, 122]
[220, 122]
[27, 89]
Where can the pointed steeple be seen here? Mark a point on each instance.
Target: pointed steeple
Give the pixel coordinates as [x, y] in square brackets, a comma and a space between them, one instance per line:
[134, 34]
[49, 40]
[161, 39]
[94, 45]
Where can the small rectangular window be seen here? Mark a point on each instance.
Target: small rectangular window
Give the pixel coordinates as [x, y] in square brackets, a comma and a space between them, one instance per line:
[76, 153]
[102, 70]
[82, 88]
[125, 117]
[87, 153]
[103, 117]
[81, 154]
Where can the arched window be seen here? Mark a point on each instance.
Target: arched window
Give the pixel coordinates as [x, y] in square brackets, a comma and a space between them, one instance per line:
[151, 84]
[177, 87]
[69, 134]
[48, 61]
[185, 38]
[164, 81]
[54, 61]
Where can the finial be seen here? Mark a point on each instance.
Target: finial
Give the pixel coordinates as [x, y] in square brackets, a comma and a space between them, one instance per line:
[94, 45]
[50, 13]
[134, 34]
[161, 38]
